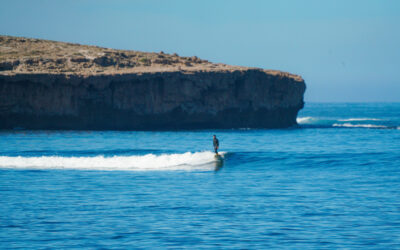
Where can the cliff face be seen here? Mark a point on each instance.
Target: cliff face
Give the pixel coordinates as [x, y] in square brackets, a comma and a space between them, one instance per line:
[178, 96]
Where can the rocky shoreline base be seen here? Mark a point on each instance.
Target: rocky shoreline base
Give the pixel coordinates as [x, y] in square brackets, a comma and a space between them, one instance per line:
[150, 101]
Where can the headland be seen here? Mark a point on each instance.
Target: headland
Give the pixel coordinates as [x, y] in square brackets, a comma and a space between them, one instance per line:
[56, 85]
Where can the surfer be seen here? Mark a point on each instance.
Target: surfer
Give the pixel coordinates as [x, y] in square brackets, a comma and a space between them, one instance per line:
[216, 144]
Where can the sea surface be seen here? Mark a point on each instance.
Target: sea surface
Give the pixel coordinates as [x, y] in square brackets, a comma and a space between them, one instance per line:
[331, 182]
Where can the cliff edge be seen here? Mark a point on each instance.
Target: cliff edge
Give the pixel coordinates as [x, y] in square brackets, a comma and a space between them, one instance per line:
[54, 85]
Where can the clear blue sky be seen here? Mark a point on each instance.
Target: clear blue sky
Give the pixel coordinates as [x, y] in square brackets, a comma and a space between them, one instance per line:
[346, 50]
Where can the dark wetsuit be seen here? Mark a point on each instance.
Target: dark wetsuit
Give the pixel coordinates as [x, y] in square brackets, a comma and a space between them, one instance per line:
[216, 145]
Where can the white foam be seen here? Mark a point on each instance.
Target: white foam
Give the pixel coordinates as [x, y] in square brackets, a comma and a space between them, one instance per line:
[359, 119]
[186, 161]
[310, 119]
[303, 120]
[349, 125]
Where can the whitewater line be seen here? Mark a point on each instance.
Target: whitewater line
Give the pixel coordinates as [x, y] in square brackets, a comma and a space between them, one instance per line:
[186, 161]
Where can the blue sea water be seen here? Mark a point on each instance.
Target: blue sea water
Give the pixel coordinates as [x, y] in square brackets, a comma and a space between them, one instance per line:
[331, 182]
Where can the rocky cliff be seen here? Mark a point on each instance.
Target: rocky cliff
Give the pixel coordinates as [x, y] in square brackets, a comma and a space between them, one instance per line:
[54, 85]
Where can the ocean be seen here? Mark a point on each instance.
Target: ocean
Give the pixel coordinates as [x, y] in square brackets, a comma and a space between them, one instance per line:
[331, 182]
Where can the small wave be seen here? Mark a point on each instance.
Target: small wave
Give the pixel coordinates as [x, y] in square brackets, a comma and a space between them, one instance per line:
[303, 120]
[186, 161]
[318, 120]
[324, 122]
[359, 119]
[349, 125]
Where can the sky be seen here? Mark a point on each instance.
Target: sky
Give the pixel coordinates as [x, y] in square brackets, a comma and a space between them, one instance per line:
[346, 51]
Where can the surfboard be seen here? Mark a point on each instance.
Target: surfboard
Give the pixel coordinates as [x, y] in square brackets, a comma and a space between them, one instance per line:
[219, 162]
[218, 157]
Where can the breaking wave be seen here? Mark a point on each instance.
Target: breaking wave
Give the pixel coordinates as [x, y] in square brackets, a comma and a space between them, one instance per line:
[305, 120]
[320, 122]
[186, 161]
[349, 125]
[359, 119]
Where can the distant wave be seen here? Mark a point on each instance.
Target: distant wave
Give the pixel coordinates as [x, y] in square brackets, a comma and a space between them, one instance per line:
[304, 120]
[186, 161]
[359, 119]
[310, 119]
[322, 122]
[349, 125]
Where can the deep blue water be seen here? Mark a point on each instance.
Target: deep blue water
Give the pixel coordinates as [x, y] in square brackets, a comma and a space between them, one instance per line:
[332, 182]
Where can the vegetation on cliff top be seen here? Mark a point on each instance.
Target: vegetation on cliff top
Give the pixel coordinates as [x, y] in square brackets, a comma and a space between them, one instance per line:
[20, 55]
